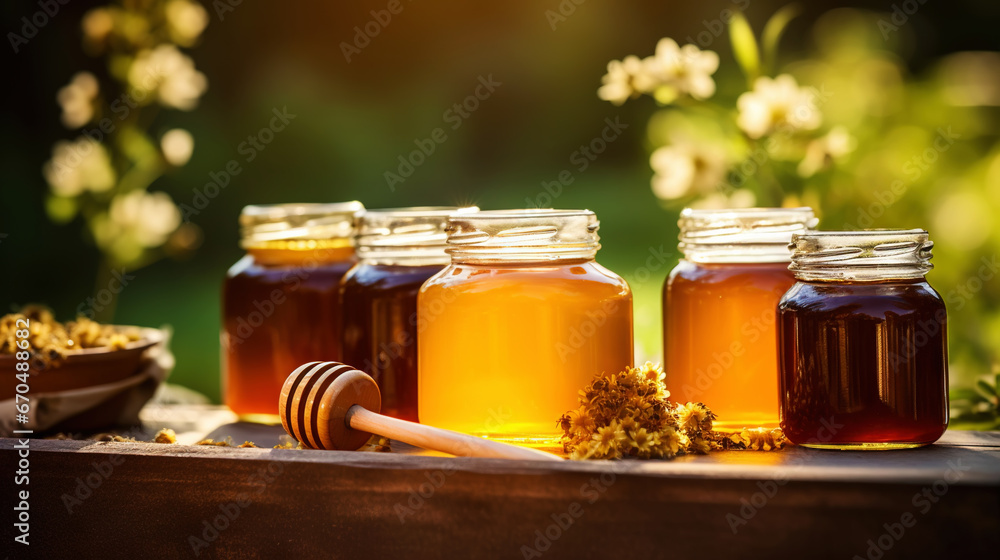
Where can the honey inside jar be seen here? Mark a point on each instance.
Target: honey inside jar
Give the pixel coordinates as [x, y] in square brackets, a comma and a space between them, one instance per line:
[520, 321]
[720, 339]
[719, 311]
[280, 302]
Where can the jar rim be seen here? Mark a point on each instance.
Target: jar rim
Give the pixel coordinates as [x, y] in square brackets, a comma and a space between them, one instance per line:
[528, 235]
[741, 235]
[532, 213]
[416, 211]
[285, 209]
[264, 224]
[861, 255]
[407, 235]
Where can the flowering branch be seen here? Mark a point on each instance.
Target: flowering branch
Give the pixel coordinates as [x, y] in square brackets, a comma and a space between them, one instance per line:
[103, 175]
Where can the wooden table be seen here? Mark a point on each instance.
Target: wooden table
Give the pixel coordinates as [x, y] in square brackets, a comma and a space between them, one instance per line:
[141, 500]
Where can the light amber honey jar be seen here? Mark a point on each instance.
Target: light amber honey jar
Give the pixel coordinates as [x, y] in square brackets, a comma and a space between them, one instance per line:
[518, 323]
[280, 302]
[719, 306]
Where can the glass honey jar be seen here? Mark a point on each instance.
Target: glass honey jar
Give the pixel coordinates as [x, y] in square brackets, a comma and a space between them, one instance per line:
[862, 342]
[398, 250]
[518, 323]
[280, 302]
[719, 310]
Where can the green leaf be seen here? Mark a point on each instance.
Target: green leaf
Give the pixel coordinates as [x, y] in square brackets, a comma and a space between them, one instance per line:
[986, 389]
[773, 30]
[744, 46]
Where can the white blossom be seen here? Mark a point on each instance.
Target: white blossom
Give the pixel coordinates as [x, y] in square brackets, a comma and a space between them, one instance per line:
[78, 166]
[688, 69]
[77, 100]
[625, 78]
[687, 168]
[97, 24]
[170, 75]
[177, 145]
[185, 21]
[777, 103]
[148, 218]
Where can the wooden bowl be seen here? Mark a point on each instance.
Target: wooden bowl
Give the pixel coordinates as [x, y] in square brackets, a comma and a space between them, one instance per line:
[81, 368]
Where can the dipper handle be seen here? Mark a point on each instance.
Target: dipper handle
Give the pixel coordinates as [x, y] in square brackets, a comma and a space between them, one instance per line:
[438, 439]
[329, 405]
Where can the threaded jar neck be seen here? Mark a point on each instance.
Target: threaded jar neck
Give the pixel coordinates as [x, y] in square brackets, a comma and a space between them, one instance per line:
[861, 256]
[299, 226]
[413, 236]
[523, 236]
[741, 235]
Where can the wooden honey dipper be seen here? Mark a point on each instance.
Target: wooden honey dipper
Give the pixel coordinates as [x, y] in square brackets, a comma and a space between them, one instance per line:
[330, 405]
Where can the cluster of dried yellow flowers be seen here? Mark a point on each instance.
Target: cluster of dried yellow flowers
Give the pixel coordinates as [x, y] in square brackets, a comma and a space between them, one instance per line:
[50, 340]
[627, 414]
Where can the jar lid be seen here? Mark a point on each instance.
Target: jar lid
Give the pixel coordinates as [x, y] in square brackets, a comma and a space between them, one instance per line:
[264, 224]
[741, 234]
[416, 233]
[527, 235]
[863, 255]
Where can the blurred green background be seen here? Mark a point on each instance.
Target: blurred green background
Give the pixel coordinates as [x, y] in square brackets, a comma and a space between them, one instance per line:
[354, 119]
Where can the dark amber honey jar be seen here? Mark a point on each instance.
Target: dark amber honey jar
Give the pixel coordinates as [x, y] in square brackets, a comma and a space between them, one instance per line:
[280, 302]
[862, 342]
[398, 249]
